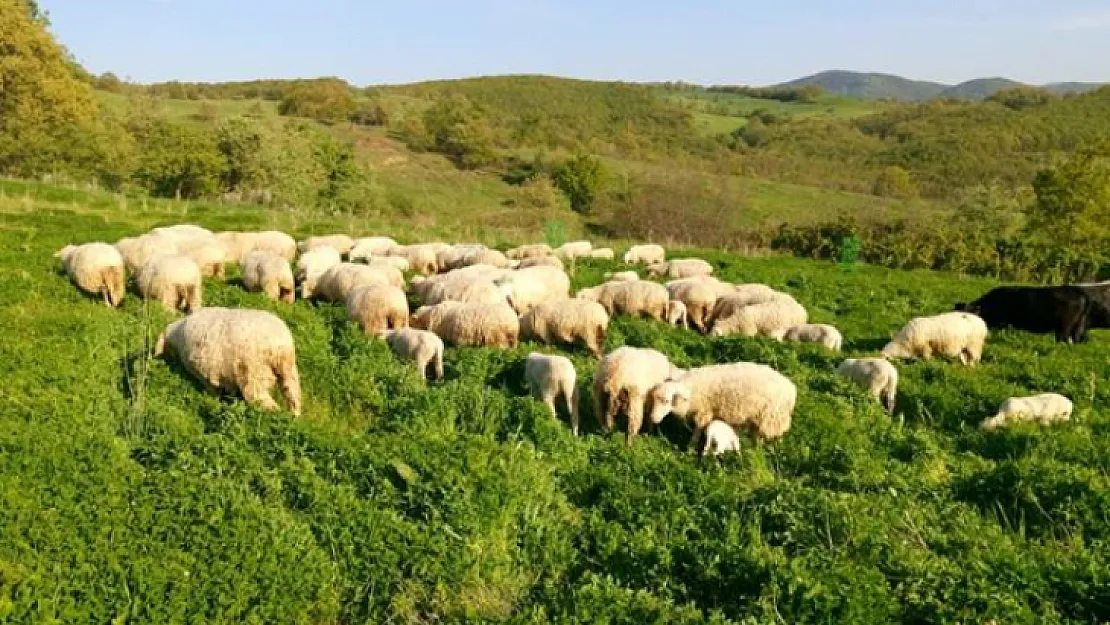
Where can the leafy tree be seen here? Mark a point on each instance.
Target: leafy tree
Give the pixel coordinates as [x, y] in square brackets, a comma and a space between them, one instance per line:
[178, 160]
[581, 179]
[457, 128]
[341, 171]
[242, 143]
[327, 100]
[1072, 200]
[895, 182]
[370, 113]
[109, 82]
[1023, 97]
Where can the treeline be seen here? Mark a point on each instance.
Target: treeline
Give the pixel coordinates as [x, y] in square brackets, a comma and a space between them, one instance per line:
[806, 94]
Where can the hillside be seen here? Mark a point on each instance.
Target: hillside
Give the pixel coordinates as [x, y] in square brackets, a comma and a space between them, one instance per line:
[979, 89]
[870, 86]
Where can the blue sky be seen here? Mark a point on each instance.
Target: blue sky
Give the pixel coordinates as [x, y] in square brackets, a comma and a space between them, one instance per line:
[704, 41]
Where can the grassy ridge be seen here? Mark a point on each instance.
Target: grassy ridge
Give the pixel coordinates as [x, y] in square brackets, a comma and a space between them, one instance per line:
[130, 495]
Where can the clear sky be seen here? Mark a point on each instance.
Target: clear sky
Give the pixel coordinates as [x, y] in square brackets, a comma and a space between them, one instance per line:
[704, 41]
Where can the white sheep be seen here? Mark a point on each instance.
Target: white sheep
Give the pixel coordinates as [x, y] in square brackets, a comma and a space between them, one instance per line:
[535, 250]
[740, 394]
[957, 335]
[239, 244]
[183, 232]
[640, 298]
[369, 247]
[397, 262]
[269, 274]
[421, 257]
[240, 350]
[1045, 409]
[625, 378]
[877, 375]
[138, 251]
[677, 314]
[465, 255]
[550, 378]
[566, 322]
[526, 288]
[339, 242]
[418, 346]
[378, 308]
[680, 268]
[172, 279]
[574, 249]
[824, 334]
[648, 254]
[721, 438]
[539, 261]
[602, 253]
[622, 276]
[770, 319]
[699, 298]
[337, 282]
[470, 325]
[458, 289]
[208, 253]
[311, 265]
[96, 269]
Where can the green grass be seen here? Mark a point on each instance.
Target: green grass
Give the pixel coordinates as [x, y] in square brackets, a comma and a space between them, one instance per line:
[128, 495]
[722, 113]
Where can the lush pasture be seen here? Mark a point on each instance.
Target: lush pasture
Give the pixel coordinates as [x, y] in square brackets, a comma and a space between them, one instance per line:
[127, 495]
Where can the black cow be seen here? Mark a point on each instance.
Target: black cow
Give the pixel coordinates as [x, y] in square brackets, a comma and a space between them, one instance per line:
[1099, 294]
[1063, 310]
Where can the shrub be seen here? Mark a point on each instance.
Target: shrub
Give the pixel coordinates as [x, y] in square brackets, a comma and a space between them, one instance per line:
[458, 129]
[581, 179]
[178, 160]
[895, 182]
[327, 100]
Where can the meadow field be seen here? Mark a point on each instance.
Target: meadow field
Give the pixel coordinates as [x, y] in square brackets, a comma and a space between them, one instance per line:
[128, 495]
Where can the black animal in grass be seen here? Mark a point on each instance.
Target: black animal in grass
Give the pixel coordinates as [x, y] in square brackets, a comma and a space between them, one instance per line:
[1062, 310]
[1099, 295]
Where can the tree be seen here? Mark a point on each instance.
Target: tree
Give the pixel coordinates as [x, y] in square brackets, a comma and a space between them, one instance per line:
[1072, 203]
[178, 160]
[327, 100]
[581, 179]
[1020, 98]
[895, 182]
[458, 128]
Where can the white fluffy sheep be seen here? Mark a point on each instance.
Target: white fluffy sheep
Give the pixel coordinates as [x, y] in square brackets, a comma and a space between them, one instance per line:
[337, 282]
[183, 232]
[539, 261]
[535, 250]
[740, 394]
[339, 242]
[526, 288]
[466, 255]
[172, 279]
[398, 263]
[239, 244]
[138, 251]
[680, 268]
[474, 290]
[602, 253]
[574, 249]
[698, 296]
[240, 350]
[269, 274]
[648, 254]
[625, 378]
[770, 319]
[565, 322]
[721, 438]
[371, 247]
[550, 378]
[877, 375]
[677, 314]
[470, 325]
[96, 269]
[311, 265]
[378, 308]
[640, 298]
[1044, 409]
[622, 276]
[208, 253]
[421, 257]
[421, 347]
[815, 333]
[957, 335]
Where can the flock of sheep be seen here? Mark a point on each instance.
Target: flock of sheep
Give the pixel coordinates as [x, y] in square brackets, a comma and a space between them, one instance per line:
[472, 295]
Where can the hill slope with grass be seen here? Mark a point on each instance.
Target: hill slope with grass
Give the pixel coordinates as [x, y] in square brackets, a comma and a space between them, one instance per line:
[870, 85]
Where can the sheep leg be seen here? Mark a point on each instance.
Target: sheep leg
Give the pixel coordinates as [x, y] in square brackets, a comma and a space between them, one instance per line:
[290, 380]
[438, 365]
[571, 397]
[635, 416]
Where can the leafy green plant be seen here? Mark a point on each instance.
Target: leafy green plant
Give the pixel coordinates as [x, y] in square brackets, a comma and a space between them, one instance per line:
[581, 179]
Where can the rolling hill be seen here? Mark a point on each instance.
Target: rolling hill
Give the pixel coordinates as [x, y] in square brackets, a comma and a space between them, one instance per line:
[979, 89]
[875, 86]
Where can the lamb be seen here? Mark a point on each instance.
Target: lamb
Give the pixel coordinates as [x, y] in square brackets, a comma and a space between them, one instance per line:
[338, 281]
[237, 350]
[625, 378]
[567, 321]
[953, 335]
[622, 276]
[877, 375]
[339, 242]
[638, 298]
[740, 394]
[378, 308]
[574, 249]
[681, 268]
[96, 269]
[770, 319]
[239, 244]
[699, 298]
[1045, 409]
[721, 438]
[649, 254]
[172, 279]
[311, 265]
[826, 335]
[419, 346]
[268, 273]
[602, 253]
[552, 377]
[470, 325]
[536, 250]
[421, 257]
[208, 253]
[370, 247]
[540, 261]
[677, 314]
[526, 288]
[138, 251]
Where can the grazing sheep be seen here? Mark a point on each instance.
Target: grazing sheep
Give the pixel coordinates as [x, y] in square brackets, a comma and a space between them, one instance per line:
[369, 247]
[622, 276]
[815, 333]
[680, 268]
[138, 251]
[470, 325]
[311, 265]
[419, 346]
[172, 279]
[649, 254]
[339, 242]
[540, 261]
[574, 249]
[96, 269]
[699, 298]
[421, 257]
[467, 255]
[183, 232]
[740, 297]
[337, 282]
[602, 253]
[239, 244]
[720, 438]
[378, 308]
[957, 335]
[237, 350]
[536, 250]
[1045, 409]
[624, 379]
[877, 375]
[677, 315]
[268, 273]
[526, 288]
[398, 263]
[566, 322]
[739, 394]
[770, 319]
[552, 377]
[459, 289]
[640, 298]
[208, 253]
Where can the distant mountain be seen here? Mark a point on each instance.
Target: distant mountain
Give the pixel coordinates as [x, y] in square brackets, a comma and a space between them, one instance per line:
[873, 86]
